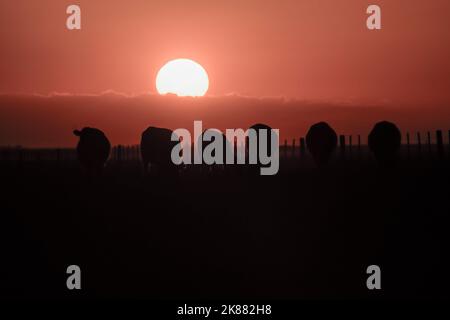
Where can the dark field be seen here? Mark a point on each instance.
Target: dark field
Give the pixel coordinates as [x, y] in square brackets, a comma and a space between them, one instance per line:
[304, 233]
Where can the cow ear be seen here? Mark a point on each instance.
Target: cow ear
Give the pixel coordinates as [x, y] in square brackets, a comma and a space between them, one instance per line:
[77, 132]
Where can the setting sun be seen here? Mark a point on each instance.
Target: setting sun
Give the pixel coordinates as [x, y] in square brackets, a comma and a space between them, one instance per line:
[182, 77]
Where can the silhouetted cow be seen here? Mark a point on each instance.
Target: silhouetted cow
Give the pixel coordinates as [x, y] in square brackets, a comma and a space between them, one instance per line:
[226, 149]
[384, 141]
[255, 168]
[93, 149]
[156, 149]
[257, 127]
[321, 141]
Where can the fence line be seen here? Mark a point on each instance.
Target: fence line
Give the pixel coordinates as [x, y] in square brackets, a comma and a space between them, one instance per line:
[298, 147]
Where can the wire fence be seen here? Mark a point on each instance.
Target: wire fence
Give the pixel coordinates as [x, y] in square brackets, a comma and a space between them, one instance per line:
[431, 144]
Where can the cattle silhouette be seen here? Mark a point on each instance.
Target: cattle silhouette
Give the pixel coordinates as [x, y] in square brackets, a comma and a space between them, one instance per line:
[156, 149]
[254, 169]
[321, 141]
[93, 149]
[226, 149]
[384, 141]
[257, 127]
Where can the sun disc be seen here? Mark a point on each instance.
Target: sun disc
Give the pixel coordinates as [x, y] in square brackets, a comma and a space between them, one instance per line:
[182, 77]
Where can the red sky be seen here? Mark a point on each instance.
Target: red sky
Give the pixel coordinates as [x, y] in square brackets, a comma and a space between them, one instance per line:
[309, 50]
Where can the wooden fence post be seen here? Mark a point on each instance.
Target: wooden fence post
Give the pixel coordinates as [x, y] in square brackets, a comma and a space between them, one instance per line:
[119, 153]
[293, 148]
[407, 144]
[285, 148]
[429, 141]
[350, 144]
[419, 143]
[302, 147]
[440, 144]
[342, 144]
[359, 145]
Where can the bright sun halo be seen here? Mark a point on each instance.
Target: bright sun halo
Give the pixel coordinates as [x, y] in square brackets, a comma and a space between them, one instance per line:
[182, 77]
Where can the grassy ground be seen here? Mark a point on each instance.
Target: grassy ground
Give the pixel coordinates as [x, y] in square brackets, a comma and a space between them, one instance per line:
[304, 233]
